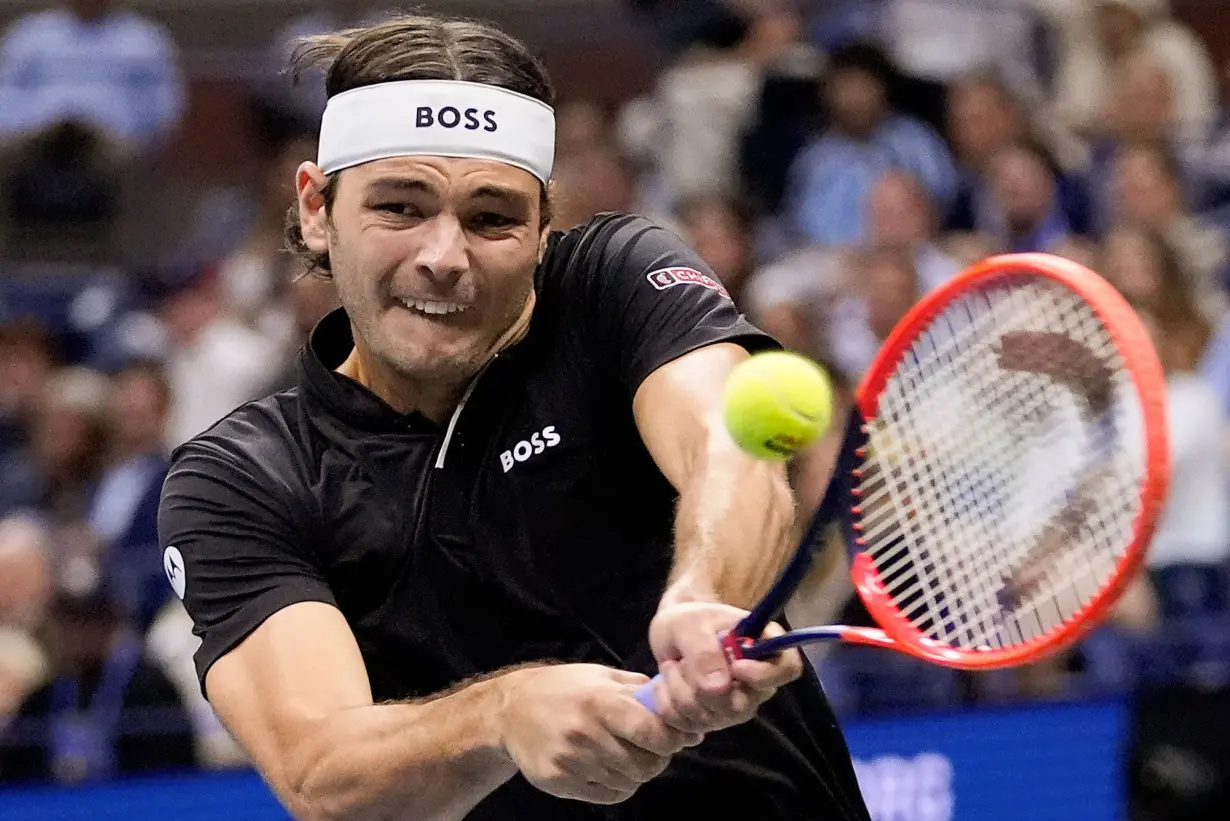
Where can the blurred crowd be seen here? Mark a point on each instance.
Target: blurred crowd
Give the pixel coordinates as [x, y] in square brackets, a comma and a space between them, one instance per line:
[831, 160]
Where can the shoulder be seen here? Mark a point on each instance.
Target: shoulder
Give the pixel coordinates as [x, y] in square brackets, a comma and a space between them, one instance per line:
[901, 126]
[31, 27]
[260, 444]
[608, 245]
[599, 234]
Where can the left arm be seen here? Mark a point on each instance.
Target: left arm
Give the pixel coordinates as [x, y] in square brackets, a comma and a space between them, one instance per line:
[661, 322]
[735, 518]
[734, 530]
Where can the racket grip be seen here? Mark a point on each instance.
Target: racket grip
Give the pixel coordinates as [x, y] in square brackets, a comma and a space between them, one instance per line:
[732, 643]
[644, 694]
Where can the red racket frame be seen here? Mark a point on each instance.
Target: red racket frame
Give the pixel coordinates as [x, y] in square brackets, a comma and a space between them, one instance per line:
[1132, 340]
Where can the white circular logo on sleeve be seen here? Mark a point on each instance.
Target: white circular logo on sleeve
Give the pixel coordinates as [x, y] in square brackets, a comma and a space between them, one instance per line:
[173, 564]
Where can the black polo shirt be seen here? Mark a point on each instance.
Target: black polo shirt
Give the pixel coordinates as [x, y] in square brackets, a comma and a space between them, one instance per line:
[533, 525]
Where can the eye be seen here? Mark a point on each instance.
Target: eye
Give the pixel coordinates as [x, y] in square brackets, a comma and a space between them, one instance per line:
[489, 220]
[401, 209]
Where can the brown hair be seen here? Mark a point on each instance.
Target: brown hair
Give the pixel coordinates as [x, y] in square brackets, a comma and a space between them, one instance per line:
[414, 47]
[1184, 330]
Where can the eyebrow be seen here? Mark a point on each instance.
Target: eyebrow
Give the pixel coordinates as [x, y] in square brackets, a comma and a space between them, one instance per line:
[511, 196]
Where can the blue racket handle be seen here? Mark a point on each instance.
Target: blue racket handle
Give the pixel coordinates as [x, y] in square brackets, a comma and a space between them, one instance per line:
[644, 694]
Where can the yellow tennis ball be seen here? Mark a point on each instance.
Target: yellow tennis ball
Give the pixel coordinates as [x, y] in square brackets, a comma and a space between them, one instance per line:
[777, 402]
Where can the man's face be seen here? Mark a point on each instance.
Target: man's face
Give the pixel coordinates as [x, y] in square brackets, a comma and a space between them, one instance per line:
[138, 411]
[898, 211]
[980, 122]
[433, 258]
[1145, 192]
[1023, 186]
[857, 101]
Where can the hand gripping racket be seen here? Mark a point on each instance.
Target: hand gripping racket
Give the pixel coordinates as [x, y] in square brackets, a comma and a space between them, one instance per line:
[1001, 474]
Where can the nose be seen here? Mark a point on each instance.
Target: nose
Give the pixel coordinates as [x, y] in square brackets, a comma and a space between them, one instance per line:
[443, 255]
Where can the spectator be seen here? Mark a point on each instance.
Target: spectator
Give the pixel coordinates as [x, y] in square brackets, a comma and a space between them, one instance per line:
[1026, 211]
[217, 362]
[580, 125]
[1147, 191]
[1209, 165]
[883, 286]
[687, 132]
[254, 275]
[23, 669]
[26, 360]
[1125, 27]
[170, 645]
[1004, 35]
[84, 89]
[107, 711]
[1194, 530]
[25, 586]
[311, 298]
[982, 115]
[900, 214]
[721, 230]
[592, 181]
[303, 97]
[831, 177]
[26, 571]
[70, 442]
[1139, 110]
[124, 512]
[111, 70]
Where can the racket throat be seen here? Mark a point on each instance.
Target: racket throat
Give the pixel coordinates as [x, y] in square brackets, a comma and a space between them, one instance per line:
[736, 646]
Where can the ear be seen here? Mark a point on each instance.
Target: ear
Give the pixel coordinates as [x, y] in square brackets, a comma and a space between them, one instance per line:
[313, 216]
[543, 237]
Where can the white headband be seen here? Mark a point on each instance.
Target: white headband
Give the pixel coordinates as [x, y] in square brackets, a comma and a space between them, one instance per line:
[441, 118]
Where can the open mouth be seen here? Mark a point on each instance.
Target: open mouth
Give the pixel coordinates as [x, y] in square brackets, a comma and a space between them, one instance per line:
[433, 308]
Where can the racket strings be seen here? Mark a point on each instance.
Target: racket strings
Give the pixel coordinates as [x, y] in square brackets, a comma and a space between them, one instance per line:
[1001, 480]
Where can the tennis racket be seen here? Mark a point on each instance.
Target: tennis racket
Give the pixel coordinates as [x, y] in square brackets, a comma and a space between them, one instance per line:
[1001, 473]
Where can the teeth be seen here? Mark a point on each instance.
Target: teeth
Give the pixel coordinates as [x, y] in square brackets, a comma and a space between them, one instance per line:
[433, 308]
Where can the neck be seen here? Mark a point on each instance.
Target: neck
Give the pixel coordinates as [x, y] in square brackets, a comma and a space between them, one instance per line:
[428, 396]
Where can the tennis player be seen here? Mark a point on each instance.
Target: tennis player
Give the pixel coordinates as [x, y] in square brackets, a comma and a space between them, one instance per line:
[430, 577]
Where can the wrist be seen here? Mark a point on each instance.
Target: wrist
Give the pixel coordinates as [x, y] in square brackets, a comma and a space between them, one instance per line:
[688, 590]
[500, 700]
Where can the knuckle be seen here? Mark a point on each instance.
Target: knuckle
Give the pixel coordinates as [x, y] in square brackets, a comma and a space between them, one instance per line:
[575, 736]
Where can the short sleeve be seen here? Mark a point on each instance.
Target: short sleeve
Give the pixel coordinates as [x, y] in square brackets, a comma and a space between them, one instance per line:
[231, 550]
[650, 299]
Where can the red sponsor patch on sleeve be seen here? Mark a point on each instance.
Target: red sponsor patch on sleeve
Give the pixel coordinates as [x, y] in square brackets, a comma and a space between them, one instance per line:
[664, 278]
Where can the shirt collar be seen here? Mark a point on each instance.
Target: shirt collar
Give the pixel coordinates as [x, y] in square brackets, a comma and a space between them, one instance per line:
[331, 341]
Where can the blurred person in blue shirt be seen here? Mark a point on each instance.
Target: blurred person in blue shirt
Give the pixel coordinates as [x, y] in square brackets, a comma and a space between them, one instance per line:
[1026, 212]
[831, 177]
[123, 514]
[106, 712]
[94, 63]
[85, 89]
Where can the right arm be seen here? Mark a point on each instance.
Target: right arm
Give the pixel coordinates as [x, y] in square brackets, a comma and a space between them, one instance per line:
[283, 671]
[295, 694]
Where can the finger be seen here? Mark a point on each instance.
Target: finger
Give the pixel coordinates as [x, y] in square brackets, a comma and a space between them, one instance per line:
[704, 659]
[596, 793]
[633, 723]
[623, 757]
[767, 674]
[628, 677]
[685, 712]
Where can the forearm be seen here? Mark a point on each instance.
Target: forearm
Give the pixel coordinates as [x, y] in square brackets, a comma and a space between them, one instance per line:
[428, 761]
[734, 530]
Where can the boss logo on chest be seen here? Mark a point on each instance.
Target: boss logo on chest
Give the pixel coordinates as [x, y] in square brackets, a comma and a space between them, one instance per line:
[528, 448]
[469, 119]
